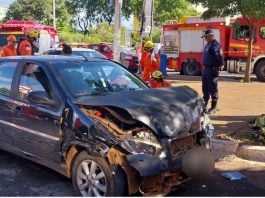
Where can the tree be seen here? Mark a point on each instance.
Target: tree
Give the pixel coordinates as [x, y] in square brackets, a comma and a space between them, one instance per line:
[170, 9]
[40, 11]
[86, 13]
[29, 10]
[164, 10]
[253, 11]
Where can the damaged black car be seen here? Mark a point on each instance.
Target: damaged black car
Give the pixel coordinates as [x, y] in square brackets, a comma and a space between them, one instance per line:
[96, 123]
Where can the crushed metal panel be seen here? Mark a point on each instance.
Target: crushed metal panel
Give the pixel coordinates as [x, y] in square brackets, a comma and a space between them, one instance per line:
[117, 157]
[113, 128]
[70, 155]
[166, 111]
[162, 183]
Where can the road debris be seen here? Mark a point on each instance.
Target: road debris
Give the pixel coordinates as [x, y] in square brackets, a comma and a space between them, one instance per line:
[233, 175]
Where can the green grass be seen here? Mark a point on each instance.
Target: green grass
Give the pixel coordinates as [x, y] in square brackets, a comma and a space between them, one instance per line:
[245, 139]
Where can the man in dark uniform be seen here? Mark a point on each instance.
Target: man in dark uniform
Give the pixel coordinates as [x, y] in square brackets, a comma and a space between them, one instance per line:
[212, 61]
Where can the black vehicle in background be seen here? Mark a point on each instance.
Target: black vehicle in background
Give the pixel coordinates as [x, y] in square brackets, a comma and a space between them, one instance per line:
[95, 122]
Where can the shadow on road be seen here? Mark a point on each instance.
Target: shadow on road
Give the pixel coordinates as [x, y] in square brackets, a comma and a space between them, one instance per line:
[216, 185]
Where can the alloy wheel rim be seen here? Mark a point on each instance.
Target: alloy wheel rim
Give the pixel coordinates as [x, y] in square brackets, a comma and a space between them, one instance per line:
[91, 179]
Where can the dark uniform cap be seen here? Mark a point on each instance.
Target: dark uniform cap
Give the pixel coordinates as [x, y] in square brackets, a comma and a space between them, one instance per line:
[207, 33]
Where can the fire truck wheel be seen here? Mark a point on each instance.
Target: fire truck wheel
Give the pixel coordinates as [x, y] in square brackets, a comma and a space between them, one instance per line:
[192, 69]
[260, 71]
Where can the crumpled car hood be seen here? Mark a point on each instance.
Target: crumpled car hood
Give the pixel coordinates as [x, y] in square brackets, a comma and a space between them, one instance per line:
[167, 111]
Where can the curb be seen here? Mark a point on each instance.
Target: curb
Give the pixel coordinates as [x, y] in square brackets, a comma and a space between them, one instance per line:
[254, 153]
[222, 148]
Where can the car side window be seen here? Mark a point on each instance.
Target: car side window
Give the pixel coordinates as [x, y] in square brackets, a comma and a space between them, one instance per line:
[7, 70]
[105, 49]
[94, 47]
[33, 78]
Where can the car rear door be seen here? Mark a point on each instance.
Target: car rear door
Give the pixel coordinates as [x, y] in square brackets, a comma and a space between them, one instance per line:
[36, 128]
[7, 72]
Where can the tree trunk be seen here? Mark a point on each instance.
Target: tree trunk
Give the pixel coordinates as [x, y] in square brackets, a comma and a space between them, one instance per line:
[249, 57]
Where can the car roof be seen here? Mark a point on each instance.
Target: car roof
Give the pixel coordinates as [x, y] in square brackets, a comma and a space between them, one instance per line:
[74, 49]
[54, 58]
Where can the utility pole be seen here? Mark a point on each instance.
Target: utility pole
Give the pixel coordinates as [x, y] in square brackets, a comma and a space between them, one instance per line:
[54, 17]
[117, 28]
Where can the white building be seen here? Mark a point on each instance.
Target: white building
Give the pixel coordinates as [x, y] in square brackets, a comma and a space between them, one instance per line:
[3, 13]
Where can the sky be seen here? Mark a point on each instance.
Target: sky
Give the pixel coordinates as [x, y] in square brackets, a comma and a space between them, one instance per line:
[5, 3]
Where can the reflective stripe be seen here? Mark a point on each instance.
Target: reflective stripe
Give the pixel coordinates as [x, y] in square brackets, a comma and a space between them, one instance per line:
[30, 131]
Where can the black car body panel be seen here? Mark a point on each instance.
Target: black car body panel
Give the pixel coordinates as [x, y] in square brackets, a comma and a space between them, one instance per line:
[146, 132]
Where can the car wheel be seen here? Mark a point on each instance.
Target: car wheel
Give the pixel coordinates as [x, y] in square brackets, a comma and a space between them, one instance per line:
[260, 71]
[192, 69]
[93, 176]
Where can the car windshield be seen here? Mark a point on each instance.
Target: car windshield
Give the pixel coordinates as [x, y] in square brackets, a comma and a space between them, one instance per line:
[97, 78]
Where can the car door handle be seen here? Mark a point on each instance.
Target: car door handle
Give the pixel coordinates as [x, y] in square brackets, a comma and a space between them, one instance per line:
[17, 110]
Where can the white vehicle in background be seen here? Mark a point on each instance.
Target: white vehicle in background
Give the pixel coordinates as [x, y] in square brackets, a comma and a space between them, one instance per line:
[86, 52]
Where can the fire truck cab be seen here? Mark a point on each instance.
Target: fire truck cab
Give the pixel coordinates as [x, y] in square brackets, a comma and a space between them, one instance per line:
[47, 38]
[184, 46]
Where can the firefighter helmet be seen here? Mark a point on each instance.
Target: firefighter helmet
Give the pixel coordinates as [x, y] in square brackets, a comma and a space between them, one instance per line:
[11, 38]
[157, 75]
[33, 33]
[149, 45]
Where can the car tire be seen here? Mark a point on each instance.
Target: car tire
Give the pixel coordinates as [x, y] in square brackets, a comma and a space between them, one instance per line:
[260, 71]
[191, 69]
[94, 176]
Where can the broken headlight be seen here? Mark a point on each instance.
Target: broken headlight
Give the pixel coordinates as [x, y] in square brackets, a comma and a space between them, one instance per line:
[142, 143]
[207, 126]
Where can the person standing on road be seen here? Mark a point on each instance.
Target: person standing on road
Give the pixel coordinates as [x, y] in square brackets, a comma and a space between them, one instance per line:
[10, 48]
[150, 62]
[67, 50]
[212, 61]
[29, 45]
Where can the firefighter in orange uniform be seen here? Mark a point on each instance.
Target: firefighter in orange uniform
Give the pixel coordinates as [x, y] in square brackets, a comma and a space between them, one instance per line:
[10, 48]
[150, 61]
[27, 46]
[157, 80]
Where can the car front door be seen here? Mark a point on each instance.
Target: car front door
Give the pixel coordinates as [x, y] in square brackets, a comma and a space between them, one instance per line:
[7, 71]
[36, 127]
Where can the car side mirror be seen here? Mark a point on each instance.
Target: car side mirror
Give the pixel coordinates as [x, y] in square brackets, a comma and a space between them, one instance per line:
[40, 97]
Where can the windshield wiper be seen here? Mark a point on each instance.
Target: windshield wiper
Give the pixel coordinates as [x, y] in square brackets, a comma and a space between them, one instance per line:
[94, 93]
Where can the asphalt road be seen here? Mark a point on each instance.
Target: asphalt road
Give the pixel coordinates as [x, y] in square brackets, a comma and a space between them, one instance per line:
[20, 177]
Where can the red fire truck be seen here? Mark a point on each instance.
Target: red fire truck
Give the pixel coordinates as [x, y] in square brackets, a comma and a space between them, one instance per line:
[183, 45]
[48, 34]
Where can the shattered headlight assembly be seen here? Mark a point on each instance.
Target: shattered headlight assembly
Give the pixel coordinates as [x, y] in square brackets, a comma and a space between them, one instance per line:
[142, 143]
[207, 127]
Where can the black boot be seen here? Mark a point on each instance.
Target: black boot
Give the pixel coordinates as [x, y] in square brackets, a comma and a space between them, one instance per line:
[212, 110]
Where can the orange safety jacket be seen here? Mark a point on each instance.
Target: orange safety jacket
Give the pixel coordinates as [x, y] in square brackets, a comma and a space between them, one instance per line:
[149, 65]
[159, 83]
[25, 48]
[144, 55]
[8, 50]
